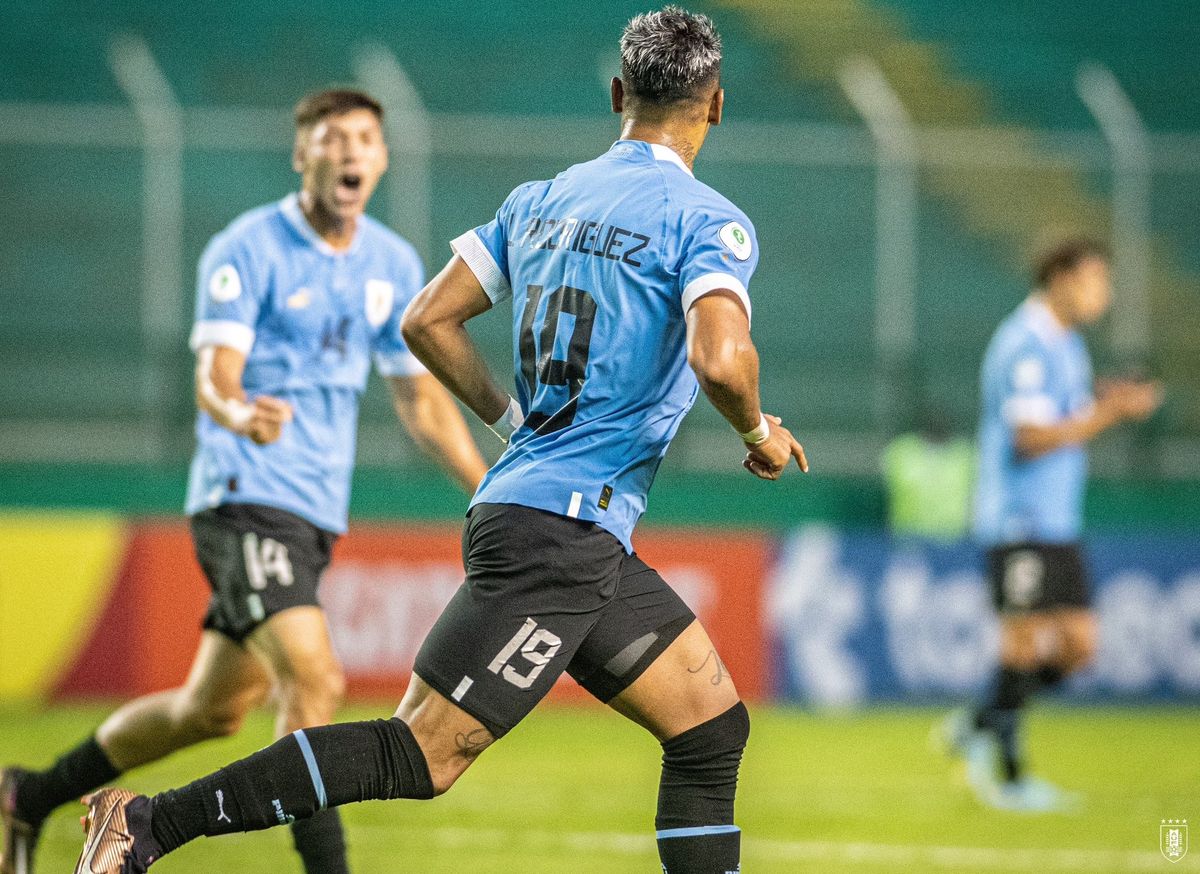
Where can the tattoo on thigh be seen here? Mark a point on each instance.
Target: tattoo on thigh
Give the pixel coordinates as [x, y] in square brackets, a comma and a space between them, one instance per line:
[474, 743]
[721, 672]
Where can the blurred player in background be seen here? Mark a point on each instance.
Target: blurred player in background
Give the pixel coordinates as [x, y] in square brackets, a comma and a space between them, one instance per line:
[1038, 415]
[294, 300]
[624, 270]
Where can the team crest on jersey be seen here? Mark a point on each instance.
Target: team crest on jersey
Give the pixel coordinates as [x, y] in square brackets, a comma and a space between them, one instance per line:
[736, 240]
[380, 295]
[225, 284]
[1029, 374]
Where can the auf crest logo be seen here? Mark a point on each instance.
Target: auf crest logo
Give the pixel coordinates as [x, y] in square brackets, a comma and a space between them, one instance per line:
[1173, 839]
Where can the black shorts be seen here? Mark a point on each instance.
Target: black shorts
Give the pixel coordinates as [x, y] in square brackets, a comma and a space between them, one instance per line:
[259, 561]
[1028, 577]
[545, 594]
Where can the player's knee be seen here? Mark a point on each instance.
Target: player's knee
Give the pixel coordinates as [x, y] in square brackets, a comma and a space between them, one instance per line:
[700, 768]
[313, 696]
[207, 719]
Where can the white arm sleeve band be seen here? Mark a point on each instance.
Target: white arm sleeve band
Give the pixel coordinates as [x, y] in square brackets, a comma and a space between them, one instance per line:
[702, 285]
[471, 249]
[235, 335]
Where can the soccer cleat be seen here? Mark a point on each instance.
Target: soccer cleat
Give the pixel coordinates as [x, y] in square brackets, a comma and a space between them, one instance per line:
[20, 836]
[118, 839]
[1031, 795]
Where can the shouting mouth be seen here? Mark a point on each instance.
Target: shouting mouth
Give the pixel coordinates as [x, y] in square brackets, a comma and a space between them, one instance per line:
[349, 187]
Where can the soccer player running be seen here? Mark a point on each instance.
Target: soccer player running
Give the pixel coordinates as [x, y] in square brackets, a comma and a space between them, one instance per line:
[624, 271]
[294, 300]
[1038, 414]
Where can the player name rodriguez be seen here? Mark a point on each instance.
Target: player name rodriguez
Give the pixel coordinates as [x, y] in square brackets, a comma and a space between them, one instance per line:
[585, 237]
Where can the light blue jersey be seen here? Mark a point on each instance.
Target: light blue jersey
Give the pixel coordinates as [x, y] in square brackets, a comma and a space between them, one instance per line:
[1035, 372]
[309, 320]
[602, 262]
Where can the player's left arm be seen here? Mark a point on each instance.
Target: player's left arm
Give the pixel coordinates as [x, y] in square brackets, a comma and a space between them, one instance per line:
[433, 420]
[434, 328]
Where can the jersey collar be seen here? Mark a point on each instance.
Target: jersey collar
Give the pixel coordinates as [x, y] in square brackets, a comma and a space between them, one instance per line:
[663, 153]
[290, 207]
[1043, 321]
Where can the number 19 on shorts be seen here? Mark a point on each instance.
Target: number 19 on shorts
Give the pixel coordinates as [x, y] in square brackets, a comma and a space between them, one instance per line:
[537, 646]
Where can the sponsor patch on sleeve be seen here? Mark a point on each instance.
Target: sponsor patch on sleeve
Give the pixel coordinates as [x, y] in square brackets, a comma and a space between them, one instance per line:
[225, 284]
[736, 240]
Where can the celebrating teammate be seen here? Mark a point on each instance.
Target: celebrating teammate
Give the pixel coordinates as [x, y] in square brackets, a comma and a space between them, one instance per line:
[294, 299]
[624, 270]
[1038, 414]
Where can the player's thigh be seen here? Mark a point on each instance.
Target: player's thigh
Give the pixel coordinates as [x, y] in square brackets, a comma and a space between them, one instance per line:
[536, 585]
[1078, 630]
[224, 676]
[685, 686]
[296, 647]
[1027, 639]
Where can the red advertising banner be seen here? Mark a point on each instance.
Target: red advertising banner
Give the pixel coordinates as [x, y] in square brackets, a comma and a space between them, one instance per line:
[386, 587]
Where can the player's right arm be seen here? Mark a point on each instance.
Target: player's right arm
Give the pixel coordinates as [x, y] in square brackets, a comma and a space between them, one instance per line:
[219, 393]
[228, 295]
[1124, 401]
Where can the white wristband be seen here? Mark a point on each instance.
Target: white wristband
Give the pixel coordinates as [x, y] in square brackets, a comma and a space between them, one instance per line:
[238, 413]
[759, 434]
[509, 421]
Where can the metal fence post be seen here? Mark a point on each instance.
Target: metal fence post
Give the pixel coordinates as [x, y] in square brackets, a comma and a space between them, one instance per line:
[1122, 127]
[895, 232]
[406, 122]
[162, 307]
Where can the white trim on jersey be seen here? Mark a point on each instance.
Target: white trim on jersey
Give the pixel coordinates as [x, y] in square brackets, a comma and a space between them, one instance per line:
[1035, 410]
[663, 153]
[470, 248]
[702, 285]
[403, 364]
[235, 335]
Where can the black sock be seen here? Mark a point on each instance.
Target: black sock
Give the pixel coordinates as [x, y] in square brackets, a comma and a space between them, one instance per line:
[694, 824]
[705, 852]
[295, 777]
[1001, 715]
[78, 771]
[321, 843]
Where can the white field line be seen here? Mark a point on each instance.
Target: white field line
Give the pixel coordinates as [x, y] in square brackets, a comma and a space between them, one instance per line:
[766, 849]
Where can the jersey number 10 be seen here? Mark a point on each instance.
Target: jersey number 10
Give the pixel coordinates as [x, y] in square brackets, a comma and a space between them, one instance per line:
[538, 364]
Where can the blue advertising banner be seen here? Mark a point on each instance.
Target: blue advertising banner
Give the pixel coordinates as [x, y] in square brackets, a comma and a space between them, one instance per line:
[857, 617]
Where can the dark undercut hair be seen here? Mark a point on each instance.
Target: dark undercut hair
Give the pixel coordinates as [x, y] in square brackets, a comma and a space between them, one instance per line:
[318, 105]
[1064, 255]
[669, 56]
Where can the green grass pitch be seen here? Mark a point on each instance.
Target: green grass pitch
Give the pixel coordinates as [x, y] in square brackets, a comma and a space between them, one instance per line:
[574, 790]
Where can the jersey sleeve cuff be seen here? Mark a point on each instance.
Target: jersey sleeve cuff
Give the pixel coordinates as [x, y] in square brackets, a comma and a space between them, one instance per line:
[472, 250]
[709, 282]
[1029, 410]
[235, 335]
[402, 364]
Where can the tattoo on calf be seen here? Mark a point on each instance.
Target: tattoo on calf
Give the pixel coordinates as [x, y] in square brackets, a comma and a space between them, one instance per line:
[721, 671]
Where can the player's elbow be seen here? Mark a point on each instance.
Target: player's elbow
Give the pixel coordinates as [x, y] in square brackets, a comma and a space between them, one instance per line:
[720, 371]
[418, 324]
